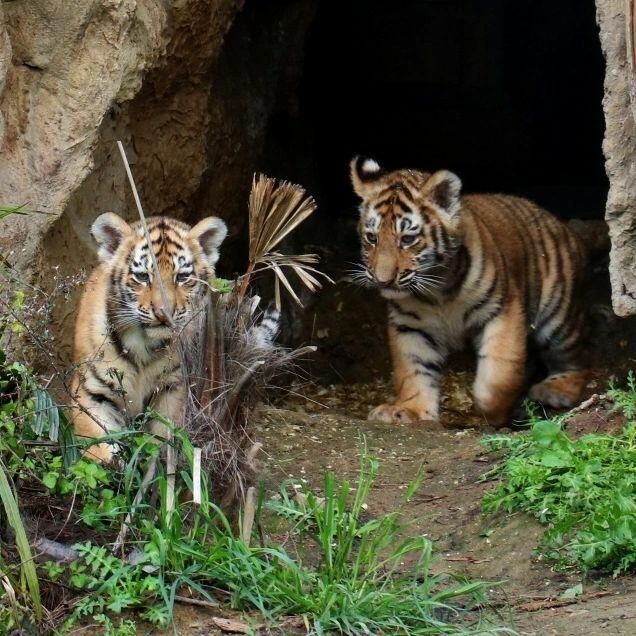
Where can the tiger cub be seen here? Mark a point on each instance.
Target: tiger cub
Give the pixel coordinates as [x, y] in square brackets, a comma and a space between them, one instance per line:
[487, 269]
[125, 347]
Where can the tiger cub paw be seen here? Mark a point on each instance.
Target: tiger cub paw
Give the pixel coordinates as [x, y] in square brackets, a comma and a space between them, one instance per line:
[397, 414]
[560, 390]
[102, 453]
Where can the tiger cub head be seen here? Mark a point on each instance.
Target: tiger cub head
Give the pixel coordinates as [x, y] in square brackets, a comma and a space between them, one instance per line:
[185, 259]
[410, 227]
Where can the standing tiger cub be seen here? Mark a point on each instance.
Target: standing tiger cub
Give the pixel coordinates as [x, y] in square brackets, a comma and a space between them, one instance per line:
[488, 269]
[125, 345]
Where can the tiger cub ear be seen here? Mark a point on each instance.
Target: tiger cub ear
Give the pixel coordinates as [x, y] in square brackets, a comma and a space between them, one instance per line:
[109, 230]
[364, 174]
[209, 234]
[443, 190]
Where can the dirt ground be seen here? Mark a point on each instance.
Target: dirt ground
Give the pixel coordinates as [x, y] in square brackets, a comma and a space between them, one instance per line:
[447, 510]
[318, 426]
[303, 438]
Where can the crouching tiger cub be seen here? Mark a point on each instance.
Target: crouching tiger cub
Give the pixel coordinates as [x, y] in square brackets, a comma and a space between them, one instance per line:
[489, 269]
[125, 348]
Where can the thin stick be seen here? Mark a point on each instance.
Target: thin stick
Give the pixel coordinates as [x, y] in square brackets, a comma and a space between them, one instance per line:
[171, 469]
[196, 476]
[249, 513]
[195, 601]
[145, 482]
[142, 216]
[171, 460]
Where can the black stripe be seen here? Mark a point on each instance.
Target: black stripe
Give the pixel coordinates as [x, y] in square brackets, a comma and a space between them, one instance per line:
[100, 398]
[459, 267]
[559, 351]
[429, 368]
[484, 301]
[551, 310]
[115, 338]
[108, 384]
[385, 202]
[407, 194]
[402, 205]
[161, 389]
[398, 310]
[405, 329]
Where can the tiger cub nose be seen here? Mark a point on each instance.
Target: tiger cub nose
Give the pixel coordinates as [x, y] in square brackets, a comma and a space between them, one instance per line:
[161, 315]
[384, 282]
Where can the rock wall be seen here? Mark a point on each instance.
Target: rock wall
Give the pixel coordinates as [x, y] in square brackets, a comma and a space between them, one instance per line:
[187, 85]
[620, 153]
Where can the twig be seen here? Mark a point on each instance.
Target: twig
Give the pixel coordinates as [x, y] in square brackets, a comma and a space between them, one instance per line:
[196, 601]
[171, 458]
[171, 469]
[549, 603]
[249, 513]
[593, 400]
[196, 476]
[142, 216]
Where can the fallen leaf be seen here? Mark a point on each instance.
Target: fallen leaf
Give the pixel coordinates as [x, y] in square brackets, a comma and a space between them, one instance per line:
[231, 626]
[573, 592]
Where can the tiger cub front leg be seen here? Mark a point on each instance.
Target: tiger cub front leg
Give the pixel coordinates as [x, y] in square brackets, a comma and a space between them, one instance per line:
[501, 350]
[417, 367]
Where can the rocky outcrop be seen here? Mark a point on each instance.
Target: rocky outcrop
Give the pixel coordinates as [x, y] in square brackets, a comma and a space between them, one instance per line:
[620, 153]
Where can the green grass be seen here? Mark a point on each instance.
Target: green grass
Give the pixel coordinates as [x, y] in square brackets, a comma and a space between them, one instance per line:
[583, 490]
[372, 577]
[368, 577]
[363, 575]
[28, 584]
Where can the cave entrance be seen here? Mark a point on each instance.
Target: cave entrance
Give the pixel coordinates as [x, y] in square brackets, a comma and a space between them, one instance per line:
[506, 93]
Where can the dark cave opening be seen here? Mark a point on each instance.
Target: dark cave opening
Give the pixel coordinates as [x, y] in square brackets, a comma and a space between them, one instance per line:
[506, 93]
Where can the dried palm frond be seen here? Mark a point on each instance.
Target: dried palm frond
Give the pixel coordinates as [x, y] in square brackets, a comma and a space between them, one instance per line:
[232, 358]
[275, 210]
[234, 354]
[228, 353]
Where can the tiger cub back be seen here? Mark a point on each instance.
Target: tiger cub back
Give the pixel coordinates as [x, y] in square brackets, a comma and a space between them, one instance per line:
[129, 321]
[488, 269]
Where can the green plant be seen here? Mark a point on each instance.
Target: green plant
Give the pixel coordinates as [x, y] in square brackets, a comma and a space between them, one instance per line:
[371, 577]
[368, 576]
[583, 490]
[28, 584]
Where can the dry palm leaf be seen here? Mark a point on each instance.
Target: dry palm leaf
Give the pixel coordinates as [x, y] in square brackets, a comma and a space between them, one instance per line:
[275, 210]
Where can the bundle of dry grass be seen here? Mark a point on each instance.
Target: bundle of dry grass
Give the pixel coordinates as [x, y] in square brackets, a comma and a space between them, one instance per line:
[233, 358]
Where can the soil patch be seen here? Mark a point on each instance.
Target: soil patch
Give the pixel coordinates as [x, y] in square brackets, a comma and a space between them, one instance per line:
[303, 441]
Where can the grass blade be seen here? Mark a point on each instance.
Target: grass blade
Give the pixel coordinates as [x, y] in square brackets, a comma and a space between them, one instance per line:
[22, 543]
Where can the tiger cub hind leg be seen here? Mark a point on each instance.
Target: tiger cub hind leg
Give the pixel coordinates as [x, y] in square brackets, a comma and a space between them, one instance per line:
[560, 390]
[563, 351]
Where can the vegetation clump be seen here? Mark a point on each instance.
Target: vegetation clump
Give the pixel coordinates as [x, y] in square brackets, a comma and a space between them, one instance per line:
[583, 490]
[82, 543]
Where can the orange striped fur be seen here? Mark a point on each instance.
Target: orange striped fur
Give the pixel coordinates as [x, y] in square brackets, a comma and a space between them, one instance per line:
[125, 349]
[491, 270]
